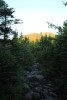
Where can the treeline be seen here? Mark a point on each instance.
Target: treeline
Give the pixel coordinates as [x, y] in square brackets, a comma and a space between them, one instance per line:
[18, 55]
[33, 37]
[15, 57]
[51, 54]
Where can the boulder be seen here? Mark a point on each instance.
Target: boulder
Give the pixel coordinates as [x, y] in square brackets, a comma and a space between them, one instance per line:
[36, 96]
[35, 88]
[38, 89]
[28, 96]
[35, 77]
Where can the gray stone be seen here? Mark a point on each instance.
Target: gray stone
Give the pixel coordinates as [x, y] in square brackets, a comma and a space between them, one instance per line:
[28, 96]
[45, 91]
[46, 87]
[38, 89]
[39, 77]
[52, 94]
[42, 99]
[36, 96]
[34, 86]
[49, 98]
[34, 72]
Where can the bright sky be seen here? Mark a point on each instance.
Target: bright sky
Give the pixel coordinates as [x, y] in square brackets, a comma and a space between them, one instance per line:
[35, 14]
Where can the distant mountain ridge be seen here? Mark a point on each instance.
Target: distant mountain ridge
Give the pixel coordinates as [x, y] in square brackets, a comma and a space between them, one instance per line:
[36, 36]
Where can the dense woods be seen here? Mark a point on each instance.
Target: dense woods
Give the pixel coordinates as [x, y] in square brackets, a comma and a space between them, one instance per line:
[18, 55]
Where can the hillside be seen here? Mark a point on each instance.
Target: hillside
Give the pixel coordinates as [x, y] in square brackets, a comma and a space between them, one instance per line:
[36, 36]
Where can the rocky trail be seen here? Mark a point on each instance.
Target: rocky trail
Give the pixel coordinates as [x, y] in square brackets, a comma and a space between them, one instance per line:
[34, 87]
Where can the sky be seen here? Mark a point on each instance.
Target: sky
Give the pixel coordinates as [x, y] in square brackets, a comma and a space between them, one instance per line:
[36, 13]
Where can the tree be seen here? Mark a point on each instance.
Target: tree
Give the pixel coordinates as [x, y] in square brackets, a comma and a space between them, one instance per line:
[58, 72]
[6, 20]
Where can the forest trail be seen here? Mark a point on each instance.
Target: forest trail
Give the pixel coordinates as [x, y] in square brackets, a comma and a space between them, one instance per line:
[35, 88]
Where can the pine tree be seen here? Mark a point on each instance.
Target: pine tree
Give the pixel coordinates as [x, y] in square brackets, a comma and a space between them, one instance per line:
[6, 20]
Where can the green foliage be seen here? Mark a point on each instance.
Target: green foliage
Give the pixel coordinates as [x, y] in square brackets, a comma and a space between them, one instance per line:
[15, 57]
[7, 70]
[57, 74]
[51, 54]
[6, 15]
[44, 51]
[22, 53]
[18, 55]
[65, 3]
[6, 20]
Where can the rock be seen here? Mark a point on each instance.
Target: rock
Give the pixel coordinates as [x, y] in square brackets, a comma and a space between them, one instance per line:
[52, 94]
[42, 99]
[49, 98]
[45, 91]
[34, 72]
[39, 77]
[34, 87]
[35, 77]
[47, 87]
[38, 89]
[34, 84]
[28, 96]
[36, 96]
